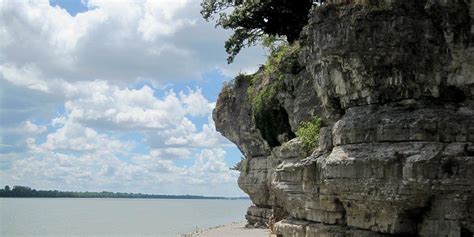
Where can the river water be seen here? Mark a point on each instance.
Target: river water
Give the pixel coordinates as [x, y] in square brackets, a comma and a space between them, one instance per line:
[114, 217]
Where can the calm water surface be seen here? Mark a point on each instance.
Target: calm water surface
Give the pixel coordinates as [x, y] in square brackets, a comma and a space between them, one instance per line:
[114, 217]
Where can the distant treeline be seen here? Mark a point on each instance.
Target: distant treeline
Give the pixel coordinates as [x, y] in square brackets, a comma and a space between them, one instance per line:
[22, 191]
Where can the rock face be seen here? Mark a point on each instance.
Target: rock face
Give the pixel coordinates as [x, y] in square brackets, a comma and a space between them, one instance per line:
[393, 82]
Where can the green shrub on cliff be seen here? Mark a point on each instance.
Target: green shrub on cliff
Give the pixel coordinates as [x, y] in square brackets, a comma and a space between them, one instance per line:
[265, 95]
[308, 132]
[268, 113]
[283, 58]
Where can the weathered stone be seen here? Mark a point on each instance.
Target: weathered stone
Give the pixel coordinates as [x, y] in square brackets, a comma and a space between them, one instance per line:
[296, 228]
[258, 216]
[254, 180]
[233, 112]
[290, 150]
[393, 81]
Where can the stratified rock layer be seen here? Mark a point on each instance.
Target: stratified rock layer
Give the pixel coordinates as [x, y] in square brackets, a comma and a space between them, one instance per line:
[393, 82]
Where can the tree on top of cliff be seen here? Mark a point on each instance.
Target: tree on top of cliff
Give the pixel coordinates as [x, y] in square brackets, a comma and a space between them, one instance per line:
[253, 19]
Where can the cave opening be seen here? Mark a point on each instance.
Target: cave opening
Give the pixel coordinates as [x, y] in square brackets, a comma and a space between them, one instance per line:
[273, 123]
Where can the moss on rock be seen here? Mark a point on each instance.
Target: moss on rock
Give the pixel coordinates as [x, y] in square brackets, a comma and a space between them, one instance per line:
[269, 115]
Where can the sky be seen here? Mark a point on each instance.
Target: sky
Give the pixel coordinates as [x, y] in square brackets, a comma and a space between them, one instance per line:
[115, 95]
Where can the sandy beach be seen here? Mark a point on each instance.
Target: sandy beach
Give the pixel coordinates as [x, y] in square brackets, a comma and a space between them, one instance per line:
[234, 229]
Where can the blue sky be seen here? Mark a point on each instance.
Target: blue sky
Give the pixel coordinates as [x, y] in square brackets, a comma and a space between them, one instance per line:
[114, 95]
[72, 7]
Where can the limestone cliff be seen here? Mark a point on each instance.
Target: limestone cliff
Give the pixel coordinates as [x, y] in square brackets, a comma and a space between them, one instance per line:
[393, 81]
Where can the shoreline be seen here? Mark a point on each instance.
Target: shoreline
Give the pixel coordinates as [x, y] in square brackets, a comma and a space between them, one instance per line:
[236, 229]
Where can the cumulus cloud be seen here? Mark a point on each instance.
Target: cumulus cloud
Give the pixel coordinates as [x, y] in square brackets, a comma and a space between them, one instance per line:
[83, 145]
[81, 172]
[82, 104]
[118, 41]
[129, 108]
[20, 136]
[33, 129]
[171, 153]
[75, 137]
[195, 103]
[27, 76]
[159, 18]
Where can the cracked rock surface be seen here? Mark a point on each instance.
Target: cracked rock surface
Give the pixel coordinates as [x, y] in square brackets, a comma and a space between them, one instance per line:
[393, 81]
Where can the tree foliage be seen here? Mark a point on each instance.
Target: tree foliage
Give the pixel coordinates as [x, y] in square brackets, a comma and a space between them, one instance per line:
[251, 20]
[23, 191]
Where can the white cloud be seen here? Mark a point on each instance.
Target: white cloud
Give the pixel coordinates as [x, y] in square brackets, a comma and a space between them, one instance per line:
[123, 41]
[171, 153]
[165, 121]
[210, 168]
[27, 76]
[159, 18]
[186, 134]
[58, 121]
[126, 108]
[195, 103]
[75, 137]
[51, 170]
[73, 115]
[208, 137]
[79, 151]
[32, 128]
[97, 101]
